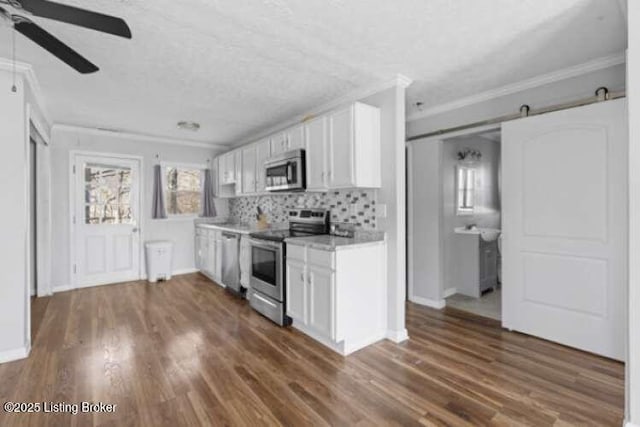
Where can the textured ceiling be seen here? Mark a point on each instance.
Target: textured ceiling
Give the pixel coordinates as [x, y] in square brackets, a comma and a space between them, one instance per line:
[242, 66]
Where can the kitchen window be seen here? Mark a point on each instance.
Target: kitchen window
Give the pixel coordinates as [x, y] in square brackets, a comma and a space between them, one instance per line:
[465, 190]
[183, 190]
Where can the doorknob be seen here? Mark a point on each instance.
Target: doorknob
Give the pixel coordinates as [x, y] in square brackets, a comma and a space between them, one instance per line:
[135, 229]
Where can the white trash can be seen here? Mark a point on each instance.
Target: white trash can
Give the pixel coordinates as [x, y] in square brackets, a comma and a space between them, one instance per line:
[158, 260]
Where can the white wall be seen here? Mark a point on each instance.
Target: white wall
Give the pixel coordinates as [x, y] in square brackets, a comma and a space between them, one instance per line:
[550, 94]
[487, 204]
[181, 232]
[425, 222]
[14, 291]
[392, 194]
[633, 361]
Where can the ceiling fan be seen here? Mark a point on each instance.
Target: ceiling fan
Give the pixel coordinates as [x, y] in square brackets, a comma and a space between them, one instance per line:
[63, 13]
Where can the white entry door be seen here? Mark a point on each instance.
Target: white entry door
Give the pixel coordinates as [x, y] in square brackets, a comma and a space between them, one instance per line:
[565, 229]
[106, 220]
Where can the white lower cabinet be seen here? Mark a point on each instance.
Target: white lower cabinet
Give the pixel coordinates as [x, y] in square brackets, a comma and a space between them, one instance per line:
[208, 246]
[338, 297]
[297, 291]
[245, 262]
[321, 300]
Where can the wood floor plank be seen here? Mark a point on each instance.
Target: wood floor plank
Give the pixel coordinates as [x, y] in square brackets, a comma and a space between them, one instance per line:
[185, 352]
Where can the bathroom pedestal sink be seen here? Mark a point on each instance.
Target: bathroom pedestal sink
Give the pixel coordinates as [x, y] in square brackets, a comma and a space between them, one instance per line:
[487, 234]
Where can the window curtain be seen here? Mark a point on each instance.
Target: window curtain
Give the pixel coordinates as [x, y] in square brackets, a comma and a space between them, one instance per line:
[158, 210]
[208, 206]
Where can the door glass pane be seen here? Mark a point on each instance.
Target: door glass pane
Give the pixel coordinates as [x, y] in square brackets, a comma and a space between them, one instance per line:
[107, 194]
[263, 265]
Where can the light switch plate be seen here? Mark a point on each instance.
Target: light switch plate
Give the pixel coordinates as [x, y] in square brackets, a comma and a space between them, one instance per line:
[381, 210]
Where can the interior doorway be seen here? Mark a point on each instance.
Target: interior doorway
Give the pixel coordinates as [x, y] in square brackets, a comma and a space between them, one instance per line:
[471, 226]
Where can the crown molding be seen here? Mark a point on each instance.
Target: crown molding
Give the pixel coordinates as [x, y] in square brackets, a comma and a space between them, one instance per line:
[544, 79]
[399, 80]
[26, 70]
[132, 135]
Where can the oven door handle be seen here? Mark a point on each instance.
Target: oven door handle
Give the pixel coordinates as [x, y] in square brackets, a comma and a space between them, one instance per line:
[264, 300]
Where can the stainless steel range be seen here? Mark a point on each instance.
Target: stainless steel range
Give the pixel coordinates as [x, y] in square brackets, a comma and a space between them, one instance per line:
[268, 253]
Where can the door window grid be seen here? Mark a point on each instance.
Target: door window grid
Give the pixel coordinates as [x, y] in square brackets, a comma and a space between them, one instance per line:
[107, 194]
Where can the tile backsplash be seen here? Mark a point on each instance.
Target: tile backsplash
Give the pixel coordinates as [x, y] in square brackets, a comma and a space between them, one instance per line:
[356, 207]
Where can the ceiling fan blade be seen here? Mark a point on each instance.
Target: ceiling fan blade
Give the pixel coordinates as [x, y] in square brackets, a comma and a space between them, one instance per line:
[76, 16]
[55, 47]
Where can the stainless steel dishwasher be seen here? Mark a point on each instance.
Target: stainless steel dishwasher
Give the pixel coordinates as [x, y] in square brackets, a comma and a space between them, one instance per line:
[231, 262]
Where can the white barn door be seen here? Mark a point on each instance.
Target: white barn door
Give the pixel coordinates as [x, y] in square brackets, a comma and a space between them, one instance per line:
[564, 200]
[106, 220]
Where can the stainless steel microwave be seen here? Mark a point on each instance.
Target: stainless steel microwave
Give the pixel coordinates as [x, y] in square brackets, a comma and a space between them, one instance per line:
[286, 171]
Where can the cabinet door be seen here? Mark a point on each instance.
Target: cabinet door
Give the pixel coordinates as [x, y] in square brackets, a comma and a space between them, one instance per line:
[220, 162]
[210, 255]
[295, 138]
[315, 145]
[249, 170]
[230, 167]
[278, 143]
[296, 292]
[322, 300]
[238, 171]
[263, 152]
[340, 170]
[200, 252]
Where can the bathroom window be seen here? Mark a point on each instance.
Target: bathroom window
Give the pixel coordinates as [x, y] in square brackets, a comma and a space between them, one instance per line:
[183, 190]
[465, 190]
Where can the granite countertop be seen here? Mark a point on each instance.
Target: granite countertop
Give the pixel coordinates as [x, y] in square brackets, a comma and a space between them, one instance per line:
[237, 227]
[332, 243]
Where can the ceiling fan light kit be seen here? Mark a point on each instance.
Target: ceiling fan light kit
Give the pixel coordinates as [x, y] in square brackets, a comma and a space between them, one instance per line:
[63, 13]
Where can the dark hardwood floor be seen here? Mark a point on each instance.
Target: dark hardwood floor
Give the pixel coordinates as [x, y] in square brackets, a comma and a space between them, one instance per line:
[187, 353]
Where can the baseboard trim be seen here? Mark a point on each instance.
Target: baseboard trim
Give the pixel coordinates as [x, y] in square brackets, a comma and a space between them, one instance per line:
[448, 292]
[397, 336]
[630, 424]
[182, 271]
[428, 302]
[62, 288]
[15, 354]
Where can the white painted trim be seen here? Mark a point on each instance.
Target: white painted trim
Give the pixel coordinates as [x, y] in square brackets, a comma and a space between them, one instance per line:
[15, 354]
[544, 79]
[135, 136]
[410, 223]
[428, 302]
[448, 292]
[630, 424]
[62, 288]
[72, 204]
[464, 132]
[26, 70]
[398, 80]
[397, 336]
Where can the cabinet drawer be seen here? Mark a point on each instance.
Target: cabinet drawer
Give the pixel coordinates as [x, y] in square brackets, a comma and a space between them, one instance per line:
[295, 252]
[321, 258]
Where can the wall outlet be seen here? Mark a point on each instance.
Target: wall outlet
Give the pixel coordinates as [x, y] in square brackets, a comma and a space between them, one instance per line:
[381, 210]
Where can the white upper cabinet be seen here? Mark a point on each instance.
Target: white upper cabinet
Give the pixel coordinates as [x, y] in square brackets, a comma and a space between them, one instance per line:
[249, 169]
[295, 137]
[342, 151]
[237, 154]
[227, 168]
[315, 143]
[279, 143]
[263, 152]
[341, 168]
